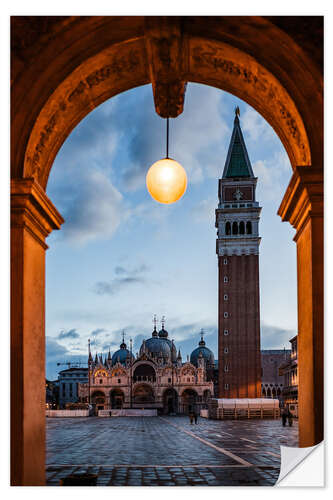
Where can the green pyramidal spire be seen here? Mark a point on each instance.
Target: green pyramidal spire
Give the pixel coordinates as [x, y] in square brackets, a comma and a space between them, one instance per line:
[237, 163]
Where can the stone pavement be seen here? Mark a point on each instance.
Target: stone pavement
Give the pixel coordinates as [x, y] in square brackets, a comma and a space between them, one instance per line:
[167, 451]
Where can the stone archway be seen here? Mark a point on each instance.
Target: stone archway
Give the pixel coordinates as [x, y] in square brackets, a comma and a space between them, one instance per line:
[98, 400]
[189, 399]
[63, 67]
[170, 401]
[117, 399]
[143, 395]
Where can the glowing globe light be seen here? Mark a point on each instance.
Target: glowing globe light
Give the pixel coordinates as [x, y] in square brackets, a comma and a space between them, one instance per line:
[166, 181]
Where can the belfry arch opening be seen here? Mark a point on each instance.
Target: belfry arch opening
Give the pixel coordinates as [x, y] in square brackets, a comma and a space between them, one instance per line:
[275, 81]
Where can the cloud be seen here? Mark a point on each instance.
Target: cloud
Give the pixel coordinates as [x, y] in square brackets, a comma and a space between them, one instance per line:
[255, 126]
[128, 277]
[70, 334]
[57, 353]
[54, 349]
[95, 209]
[273, 337]
[119, 270]
[273, 176]
[114, 286]
[204, 211]
[137, 342]
[98, 331]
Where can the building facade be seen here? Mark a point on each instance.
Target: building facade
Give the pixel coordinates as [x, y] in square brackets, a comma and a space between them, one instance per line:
[68, 383]
[289, 372]
[156, 378]
[51, 394]
[272, 382]
[237, 248]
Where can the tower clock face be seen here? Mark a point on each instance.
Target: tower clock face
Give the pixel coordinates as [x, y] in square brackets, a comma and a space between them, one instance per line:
[238, 195]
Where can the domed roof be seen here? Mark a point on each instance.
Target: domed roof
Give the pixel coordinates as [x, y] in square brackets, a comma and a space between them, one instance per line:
[155, 345]
[163, 333]
[172, 347]
[203, 351]
[121, 355]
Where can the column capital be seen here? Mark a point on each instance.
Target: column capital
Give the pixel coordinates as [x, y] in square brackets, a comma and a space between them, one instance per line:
[33, 210]
[303, 198]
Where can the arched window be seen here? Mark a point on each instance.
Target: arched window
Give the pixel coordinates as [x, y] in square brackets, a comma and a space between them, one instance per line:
[234, 228]
[249, 227]
[241, 228]
[228, 228]
[263, 391]
[269, 395]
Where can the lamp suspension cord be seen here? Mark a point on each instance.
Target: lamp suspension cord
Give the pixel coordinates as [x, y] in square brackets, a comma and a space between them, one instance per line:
[167, 138]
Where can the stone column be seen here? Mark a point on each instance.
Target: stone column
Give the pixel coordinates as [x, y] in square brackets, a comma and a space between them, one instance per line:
[302, 206]
[33, 217]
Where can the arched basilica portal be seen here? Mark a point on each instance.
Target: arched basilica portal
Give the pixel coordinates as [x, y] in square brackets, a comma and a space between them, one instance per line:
[63, 67]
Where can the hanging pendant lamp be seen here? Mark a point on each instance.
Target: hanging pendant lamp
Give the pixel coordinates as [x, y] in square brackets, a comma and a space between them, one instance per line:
[166, 179]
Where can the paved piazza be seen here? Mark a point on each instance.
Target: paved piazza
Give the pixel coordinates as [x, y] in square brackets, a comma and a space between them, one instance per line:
[167, 451]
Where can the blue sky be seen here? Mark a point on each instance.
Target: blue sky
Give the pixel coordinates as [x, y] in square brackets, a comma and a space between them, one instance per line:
[121, 257]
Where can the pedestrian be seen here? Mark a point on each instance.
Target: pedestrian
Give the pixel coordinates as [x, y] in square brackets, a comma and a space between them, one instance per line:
[284, 417]
[191, 417]
[195, 414]
[290, 418]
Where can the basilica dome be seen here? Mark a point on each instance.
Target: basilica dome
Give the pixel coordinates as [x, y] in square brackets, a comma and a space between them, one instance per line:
[156, 345]
[163, 333]
[121, 355]
[203, 351]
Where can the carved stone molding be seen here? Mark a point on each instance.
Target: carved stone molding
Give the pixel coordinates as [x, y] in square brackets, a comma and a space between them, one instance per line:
[303, 198]
[220, 62]
[32, 209]
[110, 73]
[165, 48]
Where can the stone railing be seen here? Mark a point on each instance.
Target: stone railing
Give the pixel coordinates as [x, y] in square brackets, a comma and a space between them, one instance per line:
[67, 413]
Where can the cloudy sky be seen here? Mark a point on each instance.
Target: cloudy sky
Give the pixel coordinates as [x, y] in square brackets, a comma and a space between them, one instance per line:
[121, 257]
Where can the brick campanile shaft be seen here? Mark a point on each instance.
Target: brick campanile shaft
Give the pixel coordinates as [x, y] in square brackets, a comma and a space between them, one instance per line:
[237, 248]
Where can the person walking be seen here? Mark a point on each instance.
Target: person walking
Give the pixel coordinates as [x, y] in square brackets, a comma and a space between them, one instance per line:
[290, 418]
[191, 416]
[195, 413]
[284, 417]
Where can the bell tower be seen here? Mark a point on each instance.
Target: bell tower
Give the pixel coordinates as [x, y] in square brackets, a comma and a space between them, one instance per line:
[237, 248]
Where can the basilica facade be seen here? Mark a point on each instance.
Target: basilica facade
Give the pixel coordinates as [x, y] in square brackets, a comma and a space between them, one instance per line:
[156, 378]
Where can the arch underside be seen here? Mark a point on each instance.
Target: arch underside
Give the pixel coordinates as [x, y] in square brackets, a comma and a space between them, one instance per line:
[123, 66]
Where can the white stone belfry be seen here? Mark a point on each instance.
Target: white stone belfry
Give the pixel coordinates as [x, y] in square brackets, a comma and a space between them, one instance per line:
[238, 212]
